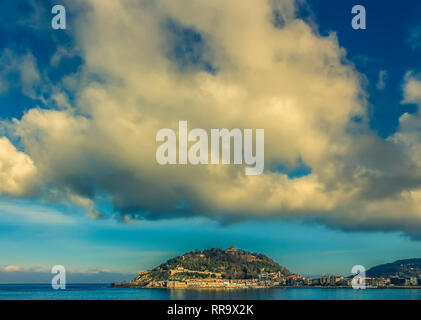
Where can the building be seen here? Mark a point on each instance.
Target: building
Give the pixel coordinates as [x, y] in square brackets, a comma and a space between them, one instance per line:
[411, 281]
[232, 249]
[176, 284]
[328, 280]
[397, 281]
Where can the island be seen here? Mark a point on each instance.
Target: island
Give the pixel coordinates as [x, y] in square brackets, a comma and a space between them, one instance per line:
[239, 269]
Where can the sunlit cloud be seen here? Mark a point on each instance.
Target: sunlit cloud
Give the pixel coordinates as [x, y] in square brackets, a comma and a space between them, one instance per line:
[11, 268]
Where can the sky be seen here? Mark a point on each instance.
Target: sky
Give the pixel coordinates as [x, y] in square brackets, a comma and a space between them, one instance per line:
[80, 108]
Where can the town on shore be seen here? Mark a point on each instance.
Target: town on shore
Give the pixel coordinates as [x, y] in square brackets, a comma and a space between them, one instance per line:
[274, 280]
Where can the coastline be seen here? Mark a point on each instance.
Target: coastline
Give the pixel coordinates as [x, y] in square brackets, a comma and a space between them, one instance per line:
[136, 286]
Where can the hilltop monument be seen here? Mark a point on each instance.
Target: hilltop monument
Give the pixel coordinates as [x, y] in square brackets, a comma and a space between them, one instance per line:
[232, 249]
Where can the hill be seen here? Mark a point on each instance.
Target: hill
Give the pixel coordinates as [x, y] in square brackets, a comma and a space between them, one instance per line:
[210, 264]
[401, 268]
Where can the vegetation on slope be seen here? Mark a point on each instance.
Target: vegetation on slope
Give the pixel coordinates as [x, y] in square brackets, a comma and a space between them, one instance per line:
[403, 268]
[215, 263]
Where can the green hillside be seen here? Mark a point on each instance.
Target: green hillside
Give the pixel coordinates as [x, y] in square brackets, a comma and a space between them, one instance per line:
[403, 268]
[213, 263]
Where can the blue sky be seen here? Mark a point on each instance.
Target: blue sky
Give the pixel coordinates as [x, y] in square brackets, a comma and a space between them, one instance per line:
[37, 233]
[384, 45]
[91, 246]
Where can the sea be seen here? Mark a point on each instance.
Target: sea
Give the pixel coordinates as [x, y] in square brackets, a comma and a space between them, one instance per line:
[106, 292]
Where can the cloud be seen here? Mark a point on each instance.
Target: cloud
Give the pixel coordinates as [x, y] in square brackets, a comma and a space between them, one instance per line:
[20, 14]
[414, 38]
[221, 64]
[16, 275]
[32, 214]
[18, 71]
[18, 174]
[412, 89]
[11, 268]
[381, 84]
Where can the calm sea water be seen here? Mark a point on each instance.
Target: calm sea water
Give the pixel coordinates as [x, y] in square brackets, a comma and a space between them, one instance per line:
[105, 292]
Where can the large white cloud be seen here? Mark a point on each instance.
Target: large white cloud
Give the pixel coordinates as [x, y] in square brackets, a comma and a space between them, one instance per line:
[18, 175]
[290, 81]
